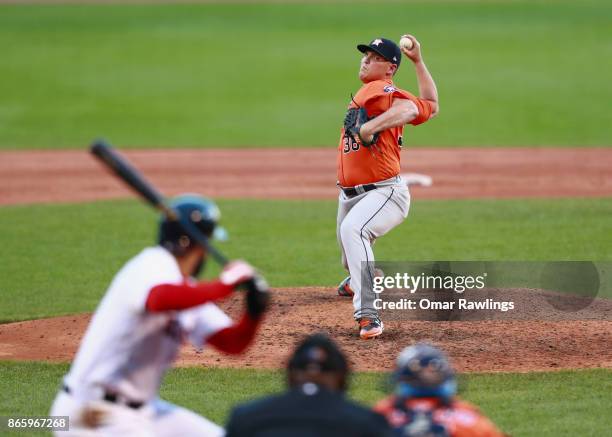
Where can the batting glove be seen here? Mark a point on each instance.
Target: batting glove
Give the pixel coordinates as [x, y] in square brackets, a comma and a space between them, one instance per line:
[236, 273]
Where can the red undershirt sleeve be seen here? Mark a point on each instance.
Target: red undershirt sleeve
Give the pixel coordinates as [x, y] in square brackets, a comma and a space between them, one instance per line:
[235, 339]
[167, 297]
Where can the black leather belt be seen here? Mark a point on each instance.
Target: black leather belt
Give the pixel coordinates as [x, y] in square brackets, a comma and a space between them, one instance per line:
[352, 192]
[112, 397]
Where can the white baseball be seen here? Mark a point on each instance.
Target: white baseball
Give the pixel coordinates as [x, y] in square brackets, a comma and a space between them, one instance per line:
[406, 43]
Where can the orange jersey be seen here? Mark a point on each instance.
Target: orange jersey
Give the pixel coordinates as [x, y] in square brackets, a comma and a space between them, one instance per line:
[459, 418]
[363, 165]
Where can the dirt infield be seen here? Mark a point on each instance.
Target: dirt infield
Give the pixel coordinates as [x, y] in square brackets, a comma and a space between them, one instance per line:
[74, 176]
[474, 346]
[458, 173]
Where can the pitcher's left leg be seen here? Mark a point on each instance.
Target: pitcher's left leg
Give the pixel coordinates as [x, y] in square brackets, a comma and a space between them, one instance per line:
[375, 215]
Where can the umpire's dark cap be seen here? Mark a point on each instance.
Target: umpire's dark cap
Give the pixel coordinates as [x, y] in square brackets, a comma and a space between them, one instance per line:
[318, 353]
[385, 48]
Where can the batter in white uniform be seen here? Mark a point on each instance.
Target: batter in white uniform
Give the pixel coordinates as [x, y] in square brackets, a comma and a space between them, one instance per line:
[151, 307]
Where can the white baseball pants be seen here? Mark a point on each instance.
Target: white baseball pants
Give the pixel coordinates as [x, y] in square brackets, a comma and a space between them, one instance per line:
[362, 219]
[158, 418]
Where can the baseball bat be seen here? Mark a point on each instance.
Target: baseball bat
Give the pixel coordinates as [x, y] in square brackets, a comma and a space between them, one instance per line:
[122, 168]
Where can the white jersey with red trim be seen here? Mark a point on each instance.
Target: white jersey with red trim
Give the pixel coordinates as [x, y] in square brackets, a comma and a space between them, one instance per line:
[127, 349]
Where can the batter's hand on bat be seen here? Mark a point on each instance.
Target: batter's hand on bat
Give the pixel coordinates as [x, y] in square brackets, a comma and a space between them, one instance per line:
[414, 54]
[237, 273]
[258, 297]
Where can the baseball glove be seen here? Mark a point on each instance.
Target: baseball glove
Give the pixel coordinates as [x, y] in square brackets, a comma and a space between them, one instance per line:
[353, 120]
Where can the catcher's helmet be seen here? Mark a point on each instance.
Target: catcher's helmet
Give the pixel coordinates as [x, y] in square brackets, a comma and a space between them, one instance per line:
[201, 211]
[424, 371]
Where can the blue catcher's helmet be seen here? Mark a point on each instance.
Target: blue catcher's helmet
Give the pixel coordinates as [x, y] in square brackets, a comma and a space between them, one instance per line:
[424, 371]
[202, 212]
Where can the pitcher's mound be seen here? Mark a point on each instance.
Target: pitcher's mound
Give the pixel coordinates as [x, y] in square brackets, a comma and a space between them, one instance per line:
[473, 345]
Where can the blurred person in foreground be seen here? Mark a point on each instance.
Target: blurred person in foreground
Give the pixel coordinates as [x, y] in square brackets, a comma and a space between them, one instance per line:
[314, 404]
[424, 402]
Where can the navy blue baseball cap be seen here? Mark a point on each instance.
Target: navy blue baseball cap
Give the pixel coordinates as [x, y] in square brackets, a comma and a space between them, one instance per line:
[318, 353]
[385, 48]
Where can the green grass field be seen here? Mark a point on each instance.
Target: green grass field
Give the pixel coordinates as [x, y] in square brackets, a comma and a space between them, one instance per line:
[293, 243]
[563, 403]
[508, 72]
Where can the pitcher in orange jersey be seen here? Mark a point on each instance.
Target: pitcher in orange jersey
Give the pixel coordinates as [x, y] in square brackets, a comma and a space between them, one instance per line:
[373, 198]
[425, 401]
